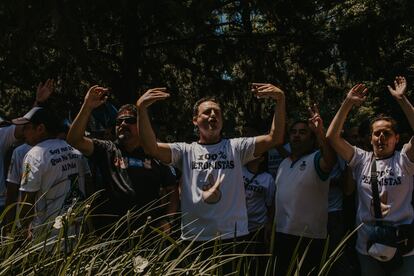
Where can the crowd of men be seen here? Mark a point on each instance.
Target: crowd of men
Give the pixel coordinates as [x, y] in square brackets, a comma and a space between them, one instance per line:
[250, 188]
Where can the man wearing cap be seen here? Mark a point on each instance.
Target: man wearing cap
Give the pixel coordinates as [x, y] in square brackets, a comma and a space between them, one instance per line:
[131, 178]
[10, 134]
[50, 171]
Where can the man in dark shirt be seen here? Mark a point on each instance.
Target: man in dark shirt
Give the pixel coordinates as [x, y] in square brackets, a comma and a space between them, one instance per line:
[131, 178]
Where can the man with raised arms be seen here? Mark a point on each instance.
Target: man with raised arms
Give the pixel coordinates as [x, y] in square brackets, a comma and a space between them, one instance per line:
[212, 192]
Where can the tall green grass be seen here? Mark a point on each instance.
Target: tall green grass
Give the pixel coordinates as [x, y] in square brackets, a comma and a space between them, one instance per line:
[122, 250]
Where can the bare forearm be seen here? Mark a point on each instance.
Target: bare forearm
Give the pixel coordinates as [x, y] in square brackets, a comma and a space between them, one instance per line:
[276, 133]
[335, 128]
[76, 132]
[147, 136]
[277, 129]
[343, 148]
[327, 152]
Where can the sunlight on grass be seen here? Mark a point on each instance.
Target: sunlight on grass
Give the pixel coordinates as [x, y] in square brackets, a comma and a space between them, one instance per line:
[61, 250]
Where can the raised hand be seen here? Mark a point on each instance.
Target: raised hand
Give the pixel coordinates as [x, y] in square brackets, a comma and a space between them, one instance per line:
[400, 86]
[315, 121]
[267, 90]
[152, 95]
[357, 94]
[44, 90]
[96, 96]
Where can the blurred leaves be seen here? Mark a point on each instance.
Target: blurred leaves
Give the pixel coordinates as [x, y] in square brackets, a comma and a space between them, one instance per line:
[314, 50]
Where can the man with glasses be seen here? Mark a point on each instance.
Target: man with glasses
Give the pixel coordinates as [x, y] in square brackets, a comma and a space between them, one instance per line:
[132, 179]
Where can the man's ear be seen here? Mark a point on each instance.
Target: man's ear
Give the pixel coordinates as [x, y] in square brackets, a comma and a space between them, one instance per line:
[195, 120]
[41, 128]
[397, 138]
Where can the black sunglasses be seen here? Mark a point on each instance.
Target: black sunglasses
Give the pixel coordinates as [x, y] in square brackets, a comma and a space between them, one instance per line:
[128, 120]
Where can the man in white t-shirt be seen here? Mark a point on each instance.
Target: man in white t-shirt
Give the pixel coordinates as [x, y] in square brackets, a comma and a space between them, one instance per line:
[11, 133]
[50, 178]
[212, 193]
[302, 186]
[395, 170]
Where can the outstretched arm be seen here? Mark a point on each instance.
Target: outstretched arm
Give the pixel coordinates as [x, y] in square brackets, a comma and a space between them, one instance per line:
[355, 96]
[277, 129]
[95, 97]
[398, 92]
[328, 156]
[160, 151]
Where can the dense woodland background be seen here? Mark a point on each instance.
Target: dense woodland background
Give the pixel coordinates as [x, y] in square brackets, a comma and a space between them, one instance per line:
[314, 50]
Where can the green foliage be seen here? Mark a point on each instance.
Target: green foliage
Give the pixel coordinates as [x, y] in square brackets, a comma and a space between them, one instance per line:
[314, 50]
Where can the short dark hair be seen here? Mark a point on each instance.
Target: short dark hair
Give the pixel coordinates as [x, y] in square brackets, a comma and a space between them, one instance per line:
[202, 100]
[382, 117]
[305, 122]
[300, 121]
[128, 108]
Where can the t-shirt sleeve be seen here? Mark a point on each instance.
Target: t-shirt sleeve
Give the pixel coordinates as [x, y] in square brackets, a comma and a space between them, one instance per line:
[14, 174]
[177, 152]
[357, 162]
[270, 193]
[32, 172]
[245, 147]
[358, 157]
[407, 165]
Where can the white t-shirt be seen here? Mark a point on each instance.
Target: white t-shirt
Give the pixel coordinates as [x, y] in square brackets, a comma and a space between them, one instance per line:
[302, 197]
[51, 169]
[6, 141]
[260, 194]
[221, 213]
[395, 186]
[16, 164]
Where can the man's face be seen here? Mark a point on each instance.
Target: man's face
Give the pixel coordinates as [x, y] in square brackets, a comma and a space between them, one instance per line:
[33, 133]
[126, 127]
[300, 138]
[209, 119]
[383, 139]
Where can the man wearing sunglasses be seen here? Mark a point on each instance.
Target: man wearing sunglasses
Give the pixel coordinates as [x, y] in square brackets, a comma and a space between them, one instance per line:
[132, 180]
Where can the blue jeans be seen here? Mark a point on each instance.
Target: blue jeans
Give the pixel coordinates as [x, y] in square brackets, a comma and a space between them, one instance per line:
[371, 267]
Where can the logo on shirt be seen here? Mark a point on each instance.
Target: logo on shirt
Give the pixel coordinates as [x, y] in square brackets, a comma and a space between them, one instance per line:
[132, 162]
[215, 161]
[25, 174]
[385, 178]
[211, 193]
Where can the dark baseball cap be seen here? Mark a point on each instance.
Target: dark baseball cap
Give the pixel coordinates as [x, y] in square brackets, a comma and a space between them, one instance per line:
[39, 115]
